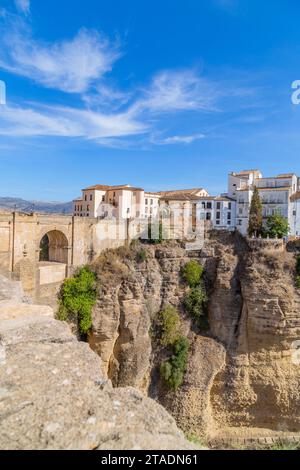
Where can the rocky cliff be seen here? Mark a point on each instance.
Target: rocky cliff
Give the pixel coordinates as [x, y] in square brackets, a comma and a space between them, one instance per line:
[241, 377]
[55, 395]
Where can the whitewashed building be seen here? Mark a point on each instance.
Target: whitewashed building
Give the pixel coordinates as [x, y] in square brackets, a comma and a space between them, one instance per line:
[277, 195]
[123, 201]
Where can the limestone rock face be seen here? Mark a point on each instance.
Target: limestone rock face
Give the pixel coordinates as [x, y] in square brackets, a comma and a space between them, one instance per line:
[242, 374]
[259, 386]
[130, 295]
[54, 394]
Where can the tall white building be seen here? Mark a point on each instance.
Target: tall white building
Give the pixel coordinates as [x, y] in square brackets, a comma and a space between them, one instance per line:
[278, 196]
[123, 201]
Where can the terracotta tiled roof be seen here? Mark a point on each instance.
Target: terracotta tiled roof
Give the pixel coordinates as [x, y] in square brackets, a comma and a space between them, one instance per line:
[295, 196]
[177, 192]
[104, 187]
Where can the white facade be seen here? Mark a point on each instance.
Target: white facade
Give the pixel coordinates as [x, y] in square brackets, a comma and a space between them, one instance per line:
[219, 210]
[276, 194]
[116, 202]
[280, 194]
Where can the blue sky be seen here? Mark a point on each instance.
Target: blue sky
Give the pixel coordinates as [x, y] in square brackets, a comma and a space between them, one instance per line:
[161, 94]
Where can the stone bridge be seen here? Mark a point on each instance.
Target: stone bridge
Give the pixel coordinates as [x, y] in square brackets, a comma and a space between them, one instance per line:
[41, 249]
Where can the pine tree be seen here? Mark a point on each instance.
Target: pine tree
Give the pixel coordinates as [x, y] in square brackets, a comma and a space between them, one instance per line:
[256, 215]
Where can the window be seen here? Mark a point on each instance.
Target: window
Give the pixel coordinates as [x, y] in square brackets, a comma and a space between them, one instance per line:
[146, 209]
[209, 206]
[91, 197]
[240, 222]
[229, 215]
[88, 208]
[103, 198]
[203, 205]
[218, 216]
[85, 197]
[229, 206]
[151, 202]
[240, 211]
[228, 222]
[146, 201]
[87, 214]
[217, 222]
[218, 205]
[208, 216]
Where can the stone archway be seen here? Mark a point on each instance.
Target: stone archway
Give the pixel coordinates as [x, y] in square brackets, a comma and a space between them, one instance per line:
[54, 247]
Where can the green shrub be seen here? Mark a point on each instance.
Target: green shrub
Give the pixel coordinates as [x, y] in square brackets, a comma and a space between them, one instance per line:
[192, 273]
[141, 256]
[169, 323]
[276, 226]
[194, 301]
[172, 371]
[77, 298]
[298, 265]
[298, 282]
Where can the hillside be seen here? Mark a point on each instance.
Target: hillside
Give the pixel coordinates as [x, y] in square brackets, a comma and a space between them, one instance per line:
[18, 204]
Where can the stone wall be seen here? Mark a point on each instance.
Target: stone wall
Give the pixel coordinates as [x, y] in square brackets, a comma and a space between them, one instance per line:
[73, 241]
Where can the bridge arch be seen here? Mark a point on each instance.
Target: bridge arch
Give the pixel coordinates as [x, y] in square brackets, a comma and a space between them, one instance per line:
[54, 247]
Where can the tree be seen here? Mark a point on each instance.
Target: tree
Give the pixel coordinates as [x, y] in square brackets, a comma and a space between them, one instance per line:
[256, 215]
[277, 226]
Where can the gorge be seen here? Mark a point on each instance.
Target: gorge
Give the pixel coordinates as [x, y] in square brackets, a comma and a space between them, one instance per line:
[240, 388]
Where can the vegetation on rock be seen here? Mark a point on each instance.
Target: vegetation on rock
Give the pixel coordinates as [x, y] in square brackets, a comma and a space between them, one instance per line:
[298, 272]
[173, 370]
[276, 226]
[255, 215]
[77, 298]
[169, 324]
[196, 297]
[141, 256]
[194, 301]
[192, 273]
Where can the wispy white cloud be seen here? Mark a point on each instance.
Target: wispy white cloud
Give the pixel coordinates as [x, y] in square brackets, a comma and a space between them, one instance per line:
[180, 139]
[108, 115]
[23, 6]
[177, 91]
[66, 122]
[68, 65]
[104, 95]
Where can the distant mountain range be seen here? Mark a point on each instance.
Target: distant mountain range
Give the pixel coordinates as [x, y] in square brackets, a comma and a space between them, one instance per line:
[18, 204]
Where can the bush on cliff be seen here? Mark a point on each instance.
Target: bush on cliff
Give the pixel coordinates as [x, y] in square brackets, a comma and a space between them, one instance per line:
[192, 273]
[77, 298]
[196, 297]
[298, 265]
[194, 301]
[172, 371]
[141, 256]
[168, 323]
